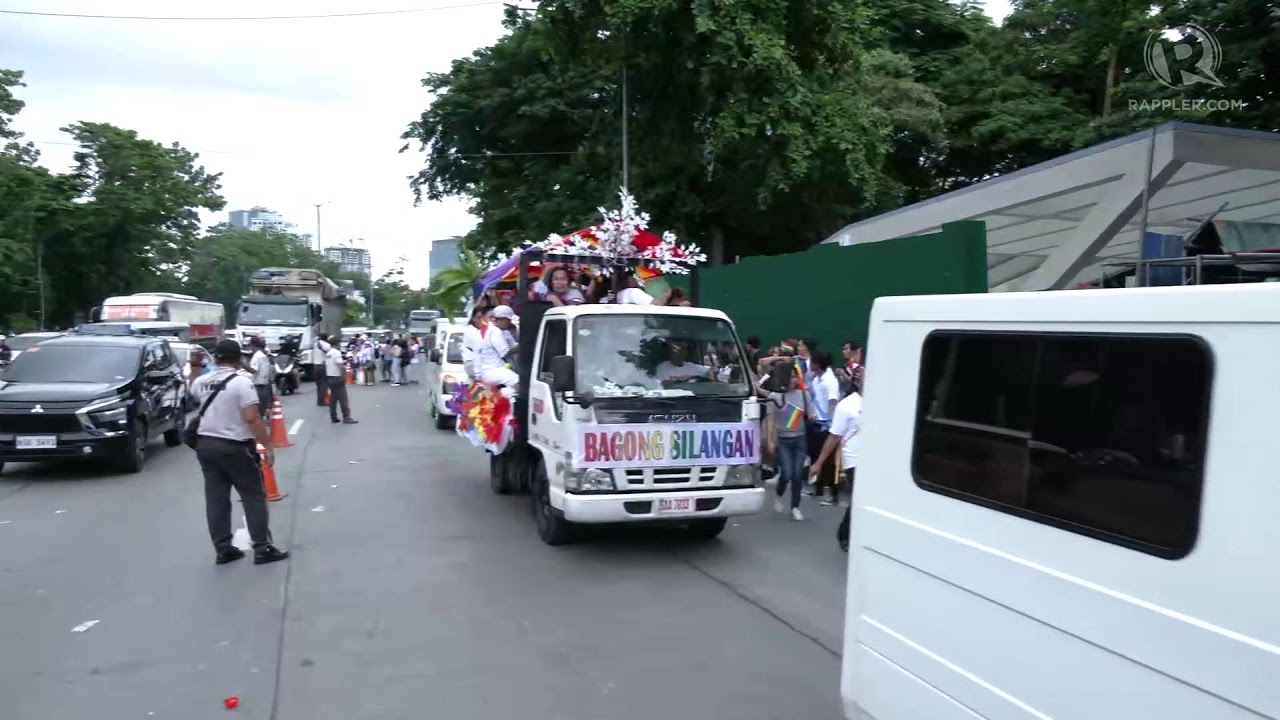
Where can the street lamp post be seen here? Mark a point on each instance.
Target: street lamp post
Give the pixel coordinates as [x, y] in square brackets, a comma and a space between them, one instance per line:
[319, 248]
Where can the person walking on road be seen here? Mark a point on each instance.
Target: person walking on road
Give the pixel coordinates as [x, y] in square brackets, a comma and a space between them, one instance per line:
[846, 426]
[230, 424]
[318, 370]
[336, 372]
[261, 366]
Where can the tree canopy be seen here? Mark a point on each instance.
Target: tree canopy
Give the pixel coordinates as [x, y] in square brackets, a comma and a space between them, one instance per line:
[763, 127]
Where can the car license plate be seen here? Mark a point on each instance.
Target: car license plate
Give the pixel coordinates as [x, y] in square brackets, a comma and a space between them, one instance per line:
[37, 442]
[675, 505]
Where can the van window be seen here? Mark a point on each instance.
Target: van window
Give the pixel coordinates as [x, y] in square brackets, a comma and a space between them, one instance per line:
[1102, 435]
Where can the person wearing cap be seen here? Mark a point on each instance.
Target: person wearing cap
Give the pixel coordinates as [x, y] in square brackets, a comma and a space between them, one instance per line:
[231, 428]
[497, 344]
[473, 338]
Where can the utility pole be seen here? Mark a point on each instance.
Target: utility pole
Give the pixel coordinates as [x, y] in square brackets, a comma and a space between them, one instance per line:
[626, 156]
[319, 248]
[40, 276]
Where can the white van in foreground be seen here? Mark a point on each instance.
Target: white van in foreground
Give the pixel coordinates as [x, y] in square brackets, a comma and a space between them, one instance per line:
[445, 374]
[1068, 507]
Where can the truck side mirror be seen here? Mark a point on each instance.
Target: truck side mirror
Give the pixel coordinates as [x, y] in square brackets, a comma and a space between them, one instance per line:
[317, 313]
[435, 355]
[562, 373]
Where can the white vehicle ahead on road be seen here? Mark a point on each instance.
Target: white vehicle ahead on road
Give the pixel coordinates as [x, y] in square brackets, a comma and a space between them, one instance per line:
[1066, 508]
[446, 375]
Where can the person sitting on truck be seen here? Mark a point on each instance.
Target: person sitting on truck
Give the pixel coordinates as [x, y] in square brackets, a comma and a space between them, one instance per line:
[472, 338]
[558, 289]
[496, 345]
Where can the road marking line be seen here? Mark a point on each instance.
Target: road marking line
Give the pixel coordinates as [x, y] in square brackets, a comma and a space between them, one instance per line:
[293, 430]
[84, 626]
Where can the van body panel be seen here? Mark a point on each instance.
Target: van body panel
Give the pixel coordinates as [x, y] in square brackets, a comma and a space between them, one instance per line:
[1011, 617]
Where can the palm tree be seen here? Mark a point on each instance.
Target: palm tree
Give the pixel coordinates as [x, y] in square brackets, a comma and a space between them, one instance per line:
[451, 287]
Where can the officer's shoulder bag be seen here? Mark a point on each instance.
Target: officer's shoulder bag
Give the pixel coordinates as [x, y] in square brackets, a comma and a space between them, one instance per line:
[191, 435]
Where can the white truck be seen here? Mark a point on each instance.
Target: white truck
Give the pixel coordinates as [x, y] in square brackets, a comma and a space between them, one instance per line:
[632, 414]
[291, 305]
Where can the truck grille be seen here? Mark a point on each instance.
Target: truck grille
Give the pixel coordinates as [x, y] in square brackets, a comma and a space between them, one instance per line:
[664, 478]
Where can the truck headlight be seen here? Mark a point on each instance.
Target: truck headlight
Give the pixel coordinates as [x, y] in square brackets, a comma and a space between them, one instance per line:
[742, 476]
[589, 480]
[449, 384]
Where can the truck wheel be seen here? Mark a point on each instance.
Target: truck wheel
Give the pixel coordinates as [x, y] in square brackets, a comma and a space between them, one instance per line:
[707, 528]
[498, 474]
[552, 528]
[442, 420]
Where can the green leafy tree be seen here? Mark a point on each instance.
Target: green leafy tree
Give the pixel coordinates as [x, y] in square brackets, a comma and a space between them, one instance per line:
[450, 288]
[754, 127]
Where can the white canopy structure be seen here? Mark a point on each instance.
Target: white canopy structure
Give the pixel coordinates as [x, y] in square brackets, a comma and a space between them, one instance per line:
[1058, 224]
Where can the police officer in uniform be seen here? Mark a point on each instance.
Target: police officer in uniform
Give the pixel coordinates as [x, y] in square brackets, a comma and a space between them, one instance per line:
[318, 371]
[230, 425]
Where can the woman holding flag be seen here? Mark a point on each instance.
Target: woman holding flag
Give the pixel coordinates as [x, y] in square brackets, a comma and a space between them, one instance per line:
[787, 403]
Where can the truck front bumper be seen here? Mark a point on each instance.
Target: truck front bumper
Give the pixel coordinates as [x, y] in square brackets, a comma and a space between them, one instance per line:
[645, 507]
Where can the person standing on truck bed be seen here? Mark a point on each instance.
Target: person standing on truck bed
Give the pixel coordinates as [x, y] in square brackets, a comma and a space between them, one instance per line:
[471, 340]
[496, 345]
[229, 425]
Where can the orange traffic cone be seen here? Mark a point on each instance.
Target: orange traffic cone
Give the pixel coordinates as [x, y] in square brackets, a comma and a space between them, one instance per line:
[269, 478]
[279, 433]
[351, 375]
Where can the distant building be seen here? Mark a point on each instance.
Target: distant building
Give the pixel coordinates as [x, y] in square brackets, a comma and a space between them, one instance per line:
[350, 259]
[260, 218]
[444, 254]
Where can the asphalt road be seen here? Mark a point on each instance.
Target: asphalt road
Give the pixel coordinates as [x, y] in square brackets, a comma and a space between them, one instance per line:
[413, 592]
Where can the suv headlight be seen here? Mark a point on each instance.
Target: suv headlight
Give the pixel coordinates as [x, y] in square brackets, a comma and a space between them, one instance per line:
[109, 414]
[449, 384]
[742, 476]
[589, 480]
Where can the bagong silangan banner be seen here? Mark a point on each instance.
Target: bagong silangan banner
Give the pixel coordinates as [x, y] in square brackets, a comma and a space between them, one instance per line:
[664, 445]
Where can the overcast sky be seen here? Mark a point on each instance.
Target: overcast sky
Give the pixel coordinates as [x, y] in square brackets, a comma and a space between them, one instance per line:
[292, 112]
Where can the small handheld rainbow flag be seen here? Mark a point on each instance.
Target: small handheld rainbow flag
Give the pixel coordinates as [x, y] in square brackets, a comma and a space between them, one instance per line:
[792, 417]
[800, 383]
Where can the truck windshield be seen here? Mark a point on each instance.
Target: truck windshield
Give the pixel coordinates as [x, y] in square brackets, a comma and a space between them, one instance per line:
[252, 313]
[657, 356]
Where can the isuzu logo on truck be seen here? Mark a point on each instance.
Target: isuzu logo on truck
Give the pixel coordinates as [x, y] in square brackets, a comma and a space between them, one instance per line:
[686, 418]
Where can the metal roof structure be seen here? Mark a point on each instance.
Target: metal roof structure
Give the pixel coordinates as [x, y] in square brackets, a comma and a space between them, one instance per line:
[1059, 223]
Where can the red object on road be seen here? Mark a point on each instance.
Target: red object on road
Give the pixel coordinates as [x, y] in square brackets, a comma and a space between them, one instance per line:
[231, 703]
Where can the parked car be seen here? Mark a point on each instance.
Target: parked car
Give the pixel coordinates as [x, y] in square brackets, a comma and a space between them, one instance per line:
[18, 343]
[98, 397]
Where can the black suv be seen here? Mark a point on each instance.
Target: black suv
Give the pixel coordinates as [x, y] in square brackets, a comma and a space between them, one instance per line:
[100, 397]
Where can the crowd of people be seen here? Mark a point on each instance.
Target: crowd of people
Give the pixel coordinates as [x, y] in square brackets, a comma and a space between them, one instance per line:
[813, 409]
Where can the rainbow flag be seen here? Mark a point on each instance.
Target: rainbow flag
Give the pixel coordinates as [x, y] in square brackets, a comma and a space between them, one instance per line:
[800, 383]
[792, 417]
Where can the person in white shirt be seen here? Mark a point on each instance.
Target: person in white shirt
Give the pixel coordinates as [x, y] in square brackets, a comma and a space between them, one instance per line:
[335, 371]
[497, 344]
[262, 369]
[677, 370]
[472, 338]
[846, 427]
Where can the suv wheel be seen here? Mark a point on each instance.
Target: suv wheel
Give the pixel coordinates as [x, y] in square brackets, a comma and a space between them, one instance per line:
[173, 436]
[134, 454]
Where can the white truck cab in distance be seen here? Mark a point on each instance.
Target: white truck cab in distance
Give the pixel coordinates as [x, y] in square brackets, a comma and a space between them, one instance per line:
[1067, 507]
[640, 413]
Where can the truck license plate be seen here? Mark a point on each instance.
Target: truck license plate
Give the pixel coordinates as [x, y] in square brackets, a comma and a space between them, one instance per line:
[37, 442]
[675, 505]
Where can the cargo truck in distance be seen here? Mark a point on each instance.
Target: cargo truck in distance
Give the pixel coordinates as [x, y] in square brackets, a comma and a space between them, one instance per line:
[291, 306]
[621, 419]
